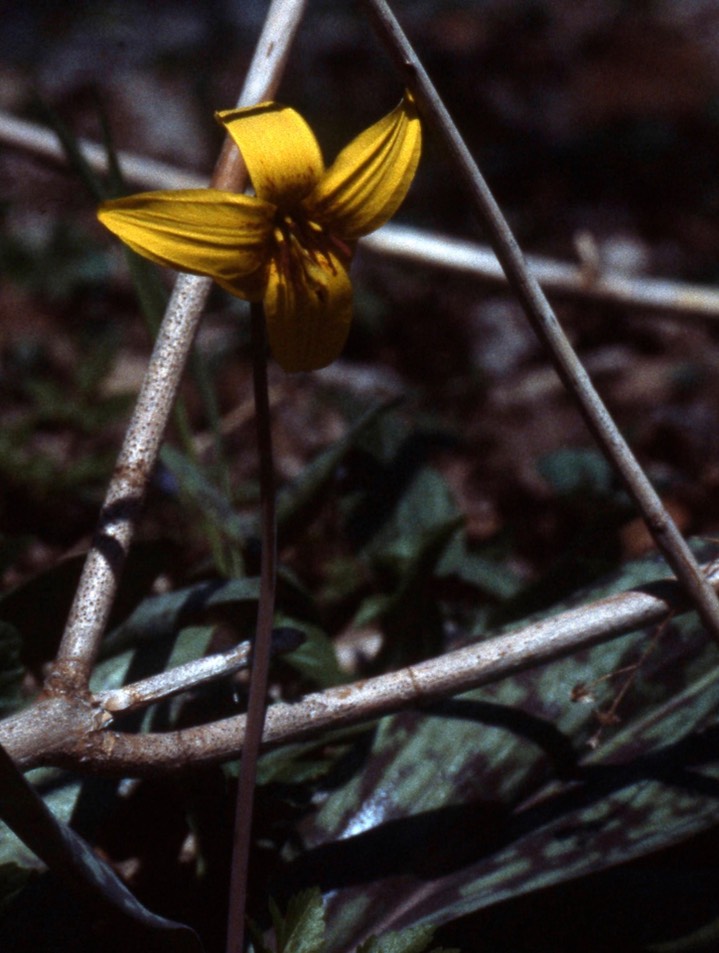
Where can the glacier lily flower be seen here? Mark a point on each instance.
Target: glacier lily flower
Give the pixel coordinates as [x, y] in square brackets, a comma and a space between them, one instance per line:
[290, 244]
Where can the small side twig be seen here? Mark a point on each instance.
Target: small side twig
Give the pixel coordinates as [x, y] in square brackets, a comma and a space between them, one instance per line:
[662, 527]
[182, 678]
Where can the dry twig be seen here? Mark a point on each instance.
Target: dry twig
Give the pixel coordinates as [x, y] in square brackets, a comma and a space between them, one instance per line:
[401, 242]
[100, 577]
[55, 731]
[662, 527]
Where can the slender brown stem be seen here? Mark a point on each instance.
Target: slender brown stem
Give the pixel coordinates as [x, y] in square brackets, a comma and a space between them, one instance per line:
[262, 646]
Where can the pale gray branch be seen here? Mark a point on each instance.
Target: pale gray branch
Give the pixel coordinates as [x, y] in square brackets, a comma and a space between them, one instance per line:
[199, 671]
[401, 242]
[82, 741]
[155, 688]
[136, 170]
[100, 577]
[659, 522]
[479, 261]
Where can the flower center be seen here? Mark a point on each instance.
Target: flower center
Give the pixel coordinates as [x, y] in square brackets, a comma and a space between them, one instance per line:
[301, 246]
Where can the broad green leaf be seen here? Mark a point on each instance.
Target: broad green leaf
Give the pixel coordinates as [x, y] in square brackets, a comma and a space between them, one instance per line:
[315, 659]
[60, 791]
[164, 615]
[302, 928]
[411, 940]
[71, 858]
[497, 792]
[577, 470]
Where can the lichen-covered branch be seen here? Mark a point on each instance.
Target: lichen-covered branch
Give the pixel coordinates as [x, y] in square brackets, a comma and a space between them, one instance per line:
[80, 736]
[119, 514]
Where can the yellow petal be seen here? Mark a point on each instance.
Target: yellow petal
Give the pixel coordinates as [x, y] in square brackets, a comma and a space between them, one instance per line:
[308, 307]
[368, 180]
[203, 231]
[282, 155]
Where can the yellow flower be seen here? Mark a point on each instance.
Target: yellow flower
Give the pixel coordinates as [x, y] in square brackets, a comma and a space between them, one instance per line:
[291, 243]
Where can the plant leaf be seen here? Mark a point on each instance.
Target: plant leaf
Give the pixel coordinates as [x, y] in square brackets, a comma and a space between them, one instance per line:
[71, 858]
[302, 929]
[411, 940]
[496, 792]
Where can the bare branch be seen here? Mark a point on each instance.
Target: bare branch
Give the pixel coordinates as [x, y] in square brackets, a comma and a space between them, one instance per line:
[400, 241]
[479, 261]
[199, 671]
[84, 743]
[136, 170]
[99, 581]
[155, 688]
[539, 312]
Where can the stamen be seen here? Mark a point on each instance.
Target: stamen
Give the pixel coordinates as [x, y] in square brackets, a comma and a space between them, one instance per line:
[303, 243]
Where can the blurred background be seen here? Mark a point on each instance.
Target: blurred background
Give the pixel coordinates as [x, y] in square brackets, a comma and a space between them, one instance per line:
[593, 120]
[596, 118]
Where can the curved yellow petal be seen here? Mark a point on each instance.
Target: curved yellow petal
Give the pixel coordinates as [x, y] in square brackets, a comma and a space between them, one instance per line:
[203, 231]
[368, 180]
[282, 155]
[308, 308]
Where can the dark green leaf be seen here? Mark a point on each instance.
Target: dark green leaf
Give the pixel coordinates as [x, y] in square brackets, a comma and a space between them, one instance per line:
[315, 659]
[298, 500]
[302, 929]
[411, 940]
[577, 470]
[495, 793]
[13, 878]
[704, 940]
[71, 858]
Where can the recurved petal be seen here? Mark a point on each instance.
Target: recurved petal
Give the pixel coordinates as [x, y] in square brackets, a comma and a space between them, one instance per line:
[308, 308]
[282, 155]
[203, 231]
[368, 180]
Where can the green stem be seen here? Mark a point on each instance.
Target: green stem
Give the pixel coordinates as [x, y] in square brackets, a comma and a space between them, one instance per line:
[261, 650]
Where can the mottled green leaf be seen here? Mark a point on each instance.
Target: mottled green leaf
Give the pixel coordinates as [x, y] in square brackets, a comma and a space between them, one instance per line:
[302, 928]
[411, 940]
[498, 792]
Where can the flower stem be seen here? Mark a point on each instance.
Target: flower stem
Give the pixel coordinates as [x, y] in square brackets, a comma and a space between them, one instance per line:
[262, 645]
